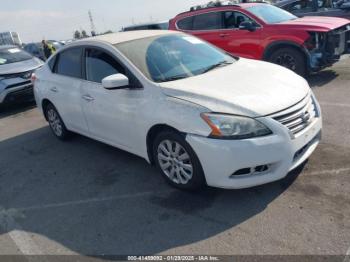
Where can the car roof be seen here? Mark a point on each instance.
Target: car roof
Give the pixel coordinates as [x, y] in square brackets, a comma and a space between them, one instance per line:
[121, 37]
[230, 6]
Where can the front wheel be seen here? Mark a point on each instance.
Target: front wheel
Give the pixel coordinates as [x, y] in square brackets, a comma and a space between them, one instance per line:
[56, 124]
[289, 58]
[177, 161]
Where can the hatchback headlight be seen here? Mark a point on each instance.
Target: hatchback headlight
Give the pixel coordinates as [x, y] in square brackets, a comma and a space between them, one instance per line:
[234, 127]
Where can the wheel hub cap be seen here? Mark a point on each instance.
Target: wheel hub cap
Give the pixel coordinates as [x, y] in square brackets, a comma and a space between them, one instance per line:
[55, 122]
[175, 162]
[287, 61]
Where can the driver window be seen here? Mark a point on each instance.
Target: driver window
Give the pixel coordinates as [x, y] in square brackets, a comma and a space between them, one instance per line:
[100, 65]
[232, 19]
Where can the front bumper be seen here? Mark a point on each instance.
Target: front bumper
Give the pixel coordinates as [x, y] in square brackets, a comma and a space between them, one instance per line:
[17, 92]
[335, 44]
[279, 152]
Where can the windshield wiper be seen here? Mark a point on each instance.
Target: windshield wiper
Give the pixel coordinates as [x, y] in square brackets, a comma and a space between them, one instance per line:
[220, 64]
[173, 78]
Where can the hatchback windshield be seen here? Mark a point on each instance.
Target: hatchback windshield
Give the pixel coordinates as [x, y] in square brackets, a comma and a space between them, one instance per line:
[13, 55]
[271, 14]
[173, 57]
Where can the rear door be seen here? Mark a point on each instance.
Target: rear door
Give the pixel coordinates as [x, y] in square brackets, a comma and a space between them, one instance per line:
[208, 26]
[64, 88]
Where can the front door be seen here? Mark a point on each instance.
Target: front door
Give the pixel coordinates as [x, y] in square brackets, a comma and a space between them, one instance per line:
[112, 115]
[222, 29]
[239, 42]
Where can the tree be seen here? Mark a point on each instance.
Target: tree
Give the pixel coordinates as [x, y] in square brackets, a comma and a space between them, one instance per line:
[84, 34]
[77, 34]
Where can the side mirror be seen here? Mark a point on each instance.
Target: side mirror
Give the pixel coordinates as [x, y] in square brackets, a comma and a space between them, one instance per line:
[247, 25]
[117, 81]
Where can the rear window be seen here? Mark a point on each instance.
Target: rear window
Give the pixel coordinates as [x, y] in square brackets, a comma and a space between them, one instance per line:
[209, 21]
[13, 55]
[69, 63]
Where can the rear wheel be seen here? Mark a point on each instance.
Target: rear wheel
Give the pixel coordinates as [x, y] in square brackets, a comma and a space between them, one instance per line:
[177, 161]
[56, 124]
[289, 58]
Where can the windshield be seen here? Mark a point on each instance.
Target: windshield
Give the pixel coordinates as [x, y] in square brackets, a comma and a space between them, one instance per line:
[13, 55]
[271, 14]
[173, 57]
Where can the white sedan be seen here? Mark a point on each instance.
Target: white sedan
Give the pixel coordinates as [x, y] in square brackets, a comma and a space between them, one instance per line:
[200, 115]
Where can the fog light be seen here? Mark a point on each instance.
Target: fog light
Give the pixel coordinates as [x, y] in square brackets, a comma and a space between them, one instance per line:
[251, 171]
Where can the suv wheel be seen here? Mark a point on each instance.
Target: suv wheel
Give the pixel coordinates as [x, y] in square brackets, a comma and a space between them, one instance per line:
[289, 58]
[177, 161]
[56, 124]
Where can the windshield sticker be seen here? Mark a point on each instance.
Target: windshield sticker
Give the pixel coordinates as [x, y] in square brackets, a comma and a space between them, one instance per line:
[14, 50]
[2, 61]
[193, 40]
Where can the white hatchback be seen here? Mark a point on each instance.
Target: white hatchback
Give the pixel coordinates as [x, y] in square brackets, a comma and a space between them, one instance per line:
[200, 115]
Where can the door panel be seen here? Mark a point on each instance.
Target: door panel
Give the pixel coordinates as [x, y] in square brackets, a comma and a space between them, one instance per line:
[64, 89]
[112, 115]
[239, 42]
[226, 34]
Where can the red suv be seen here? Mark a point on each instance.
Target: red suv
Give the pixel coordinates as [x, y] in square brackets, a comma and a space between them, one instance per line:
[265, 32]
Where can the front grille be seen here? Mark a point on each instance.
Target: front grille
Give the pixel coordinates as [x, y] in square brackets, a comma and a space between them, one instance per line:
[19, 95]
[26, 83]
[299, 117]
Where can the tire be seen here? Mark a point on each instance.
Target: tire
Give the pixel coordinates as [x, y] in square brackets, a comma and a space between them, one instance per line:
[57, 126]
[177, 161]
[291, 59]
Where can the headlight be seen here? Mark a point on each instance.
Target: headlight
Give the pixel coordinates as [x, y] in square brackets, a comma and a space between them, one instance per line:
[234, 127]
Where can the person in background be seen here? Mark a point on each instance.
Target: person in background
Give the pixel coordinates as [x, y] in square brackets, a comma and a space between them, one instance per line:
[48, 49]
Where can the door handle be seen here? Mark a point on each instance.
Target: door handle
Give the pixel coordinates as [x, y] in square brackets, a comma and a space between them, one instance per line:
[54, 89]
[88, 98]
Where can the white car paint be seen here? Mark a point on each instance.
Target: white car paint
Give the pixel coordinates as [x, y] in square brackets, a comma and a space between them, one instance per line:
[123, 118]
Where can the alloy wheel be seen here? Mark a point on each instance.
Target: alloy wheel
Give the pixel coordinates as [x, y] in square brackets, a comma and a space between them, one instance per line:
[55, 122]
[287, 61]
[175, 162]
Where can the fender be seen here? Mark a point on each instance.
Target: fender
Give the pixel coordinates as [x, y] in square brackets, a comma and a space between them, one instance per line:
[285, 43]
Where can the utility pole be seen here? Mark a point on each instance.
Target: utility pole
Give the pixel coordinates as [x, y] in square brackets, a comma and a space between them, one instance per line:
[92, 24]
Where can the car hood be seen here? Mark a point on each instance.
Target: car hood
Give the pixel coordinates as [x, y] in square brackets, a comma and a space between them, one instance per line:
[320, 23]
[247, 87]
[20, 67]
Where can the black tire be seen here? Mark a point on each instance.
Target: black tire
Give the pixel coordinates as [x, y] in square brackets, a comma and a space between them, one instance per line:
[291, 59]
[197, 180]
[56, 123]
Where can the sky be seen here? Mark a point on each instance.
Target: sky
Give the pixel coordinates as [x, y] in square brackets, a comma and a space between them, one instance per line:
[35, 20]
